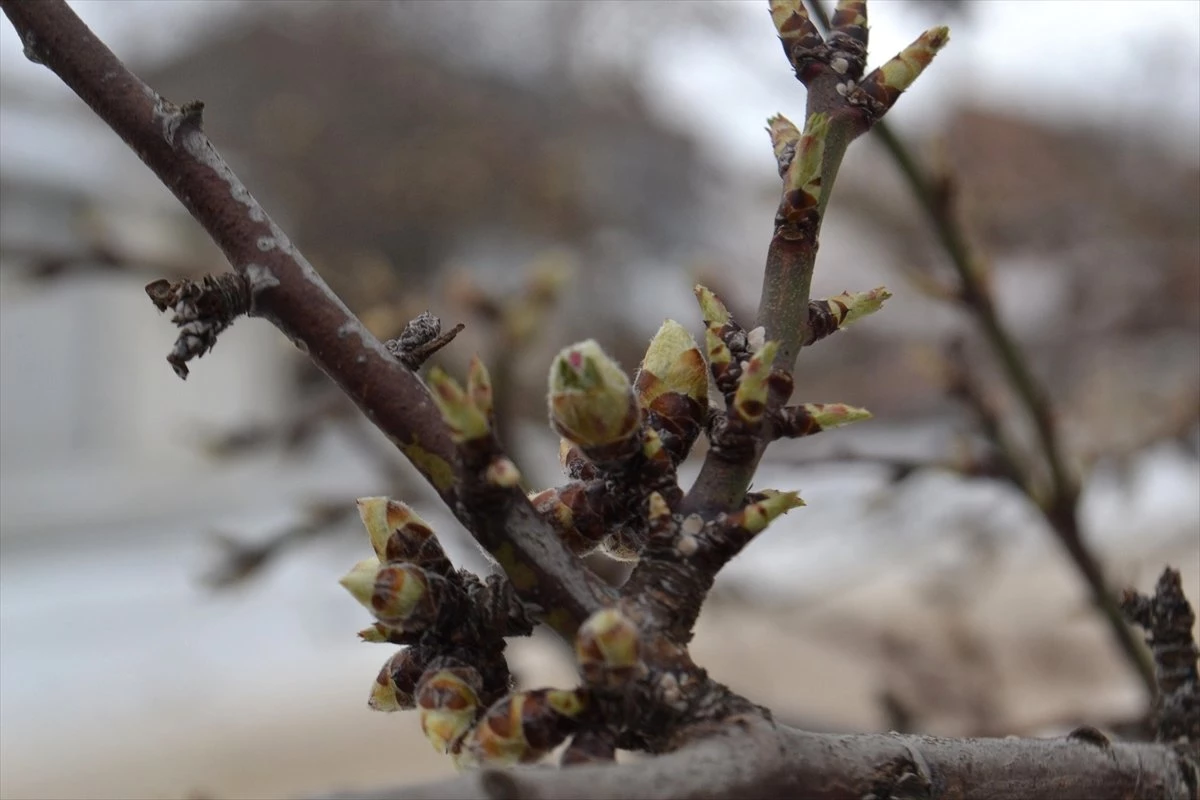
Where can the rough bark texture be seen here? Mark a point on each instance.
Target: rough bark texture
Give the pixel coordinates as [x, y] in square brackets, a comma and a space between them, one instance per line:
[755, 759]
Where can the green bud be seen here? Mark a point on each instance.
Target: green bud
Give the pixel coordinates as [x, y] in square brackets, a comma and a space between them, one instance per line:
[905, 67]
[750, 402]
[785, 138]
[672, 364]
[794, 26]
[401, 596]
[711, 307]
[465, 420]
[672, 386]
[396, 684]
[591, 401]
[799, 207]
[811, 418]
[757, 516]
[880, 90]
[448, 700]
[608, 648]
[834, 415]
[398, 534]
[479, 387]
[502, 472]
[523, 727]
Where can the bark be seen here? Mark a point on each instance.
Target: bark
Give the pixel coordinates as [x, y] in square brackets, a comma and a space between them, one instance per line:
[755, 759]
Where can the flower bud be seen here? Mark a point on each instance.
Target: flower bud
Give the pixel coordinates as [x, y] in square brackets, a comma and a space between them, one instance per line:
[592, 403]
[569, 510]
[449, 702]
[465, 419]
[377, 633]
[523, 727]
[608, 649]
[395, 686]
[398, 534]
[402, 596]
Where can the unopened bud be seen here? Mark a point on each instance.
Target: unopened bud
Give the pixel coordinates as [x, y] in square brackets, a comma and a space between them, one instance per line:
[757, 516]
[750, 402]
[398, 534]
[396, 684]
[880, 90]
[502, 472]
[711, 308]
[672, 386]
[608, 648]
[810, 418]
[523, 727]
[479, 387]
[591, 401]
[465, 420]
[402, 596]
[449, 702]
[802, 182]
[785, 138]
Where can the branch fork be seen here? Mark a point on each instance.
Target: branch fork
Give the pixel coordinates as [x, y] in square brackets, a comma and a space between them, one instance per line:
[639, 687]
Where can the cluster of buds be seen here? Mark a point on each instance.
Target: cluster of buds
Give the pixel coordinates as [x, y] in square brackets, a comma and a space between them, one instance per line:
[451, 623]
[842, 56]
[621, 440]
[743, 368]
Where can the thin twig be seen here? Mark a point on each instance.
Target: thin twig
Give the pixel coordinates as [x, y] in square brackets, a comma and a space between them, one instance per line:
[1060, 505]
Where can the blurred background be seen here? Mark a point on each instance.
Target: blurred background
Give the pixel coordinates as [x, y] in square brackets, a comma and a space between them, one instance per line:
[170, 619]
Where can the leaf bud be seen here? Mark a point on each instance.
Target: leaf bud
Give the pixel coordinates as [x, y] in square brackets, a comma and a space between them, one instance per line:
[672, 387]
[462, 416]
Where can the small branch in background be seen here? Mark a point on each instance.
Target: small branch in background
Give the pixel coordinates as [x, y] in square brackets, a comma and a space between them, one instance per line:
[203, 309]
[242, 560]
[1059, 502]
[420, 339]
[1168, 619]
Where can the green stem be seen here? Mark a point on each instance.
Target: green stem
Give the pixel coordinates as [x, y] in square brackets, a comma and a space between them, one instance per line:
[1061, 509]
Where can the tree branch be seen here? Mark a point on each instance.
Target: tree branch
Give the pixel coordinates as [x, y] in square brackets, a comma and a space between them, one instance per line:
[753, 758]
[285, 289]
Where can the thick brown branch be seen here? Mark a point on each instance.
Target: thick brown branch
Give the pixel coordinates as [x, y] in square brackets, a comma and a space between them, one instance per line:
[752, 758]
[286, 290]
